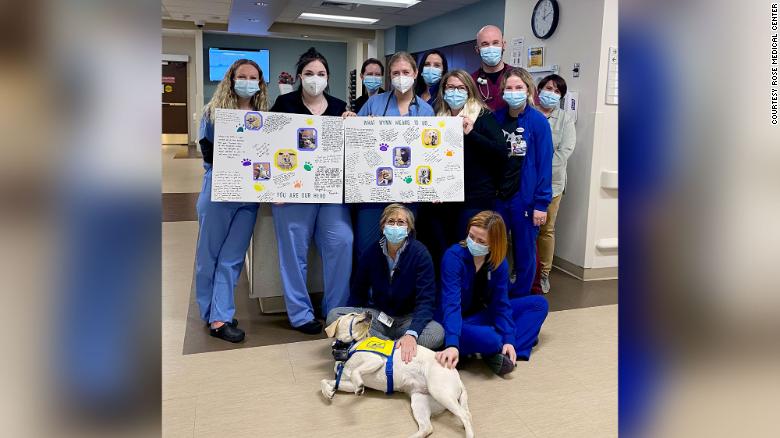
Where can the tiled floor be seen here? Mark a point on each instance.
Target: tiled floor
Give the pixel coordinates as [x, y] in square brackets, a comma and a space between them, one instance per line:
[568, 389]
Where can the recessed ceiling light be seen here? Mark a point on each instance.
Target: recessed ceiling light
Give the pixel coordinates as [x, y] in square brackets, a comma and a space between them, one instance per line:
[305, 36]
[337, 18]
[261, 4]
[253, 20]
[390, 3]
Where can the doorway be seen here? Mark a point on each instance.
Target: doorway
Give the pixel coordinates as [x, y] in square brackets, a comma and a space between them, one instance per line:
[175, 120]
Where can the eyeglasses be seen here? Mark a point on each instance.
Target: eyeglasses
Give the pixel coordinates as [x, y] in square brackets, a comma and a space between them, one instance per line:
[449, 87]
[399, 222]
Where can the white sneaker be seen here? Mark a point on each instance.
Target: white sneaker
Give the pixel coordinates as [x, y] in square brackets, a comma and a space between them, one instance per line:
[545, 283]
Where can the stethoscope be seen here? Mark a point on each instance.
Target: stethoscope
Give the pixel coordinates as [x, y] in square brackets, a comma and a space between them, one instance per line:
[482, 80]
[390, 97]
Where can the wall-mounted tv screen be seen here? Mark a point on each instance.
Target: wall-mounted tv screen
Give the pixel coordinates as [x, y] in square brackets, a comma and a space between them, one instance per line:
[220, 61]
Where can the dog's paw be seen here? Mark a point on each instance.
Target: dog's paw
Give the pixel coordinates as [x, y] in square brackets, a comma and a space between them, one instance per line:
[360, 390]
[327, 389]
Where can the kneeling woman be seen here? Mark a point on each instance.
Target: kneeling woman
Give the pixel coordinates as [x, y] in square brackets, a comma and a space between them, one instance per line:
[395, 278]
[475, 310]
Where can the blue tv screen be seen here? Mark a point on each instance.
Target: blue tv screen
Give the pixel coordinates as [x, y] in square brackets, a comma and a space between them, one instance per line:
[220, 61]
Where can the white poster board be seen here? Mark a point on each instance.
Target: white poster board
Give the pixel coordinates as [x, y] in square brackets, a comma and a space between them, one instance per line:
[403, 159]
[277, 157]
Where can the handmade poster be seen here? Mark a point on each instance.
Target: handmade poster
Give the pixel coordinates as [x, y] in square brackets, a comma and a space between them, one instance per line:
[277, 157]
[403, 159]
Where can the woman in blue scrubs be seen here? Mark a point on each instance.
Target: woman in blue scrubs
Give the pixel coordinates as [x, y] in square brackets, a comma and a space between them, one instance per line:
[433, 67]
[526, 188]
[328, 224]
[475, 309]
[400, 101]
[225, 227]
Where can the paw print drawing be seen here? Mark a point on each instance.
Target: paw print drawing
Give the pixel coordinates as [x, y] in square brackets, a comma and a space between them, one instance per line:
[449, 153]
[259, 187]
[240, 129]
[246, 162]
[308, 166]
[298, 184]
[383, 147]
[408, 180]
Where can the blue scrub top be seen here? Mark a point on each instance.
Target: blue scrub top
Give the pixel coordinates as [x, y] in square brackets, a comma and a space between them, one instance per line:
[376, 104]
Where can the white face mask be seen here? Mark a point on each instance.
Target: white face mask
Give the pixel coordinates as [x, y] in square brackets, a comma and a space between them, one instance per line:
[314, 85]
[403, 83]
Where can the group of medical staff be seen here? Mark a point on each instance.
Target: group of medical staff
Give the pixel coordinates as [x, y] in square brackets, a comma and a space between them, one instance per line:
[516, 144]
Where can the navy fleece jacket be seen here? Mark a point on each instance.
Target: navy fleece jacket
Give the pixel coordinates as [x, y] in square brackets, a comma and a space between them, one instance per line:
[410, 290]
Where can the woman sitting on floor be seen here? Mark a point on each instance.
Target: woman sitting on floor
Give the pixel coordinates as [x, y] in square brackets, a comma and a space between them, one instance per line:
[476, 312]
[395, 279]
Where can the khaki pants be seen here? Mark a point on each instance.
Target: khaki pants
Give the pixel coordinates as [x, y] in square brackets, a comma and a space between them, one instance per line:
[546, 240]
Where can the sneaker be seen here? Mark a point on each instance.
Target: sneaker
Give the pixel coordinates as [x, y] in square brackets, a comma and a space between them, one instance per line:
[312, 327]
[499, 363]
[545, 282]
[228, 333]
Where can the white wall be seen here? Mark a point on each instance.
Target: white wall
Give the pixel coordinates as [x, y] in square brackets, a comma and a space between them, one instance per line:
[185, 45]
[603, 214]
[586, 214]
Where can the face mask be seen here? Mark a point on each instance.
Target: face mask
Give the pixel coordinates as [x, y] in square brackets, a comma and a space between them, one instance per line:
[549, 99]
[246, 88]
[477, 249]
[403, 83]
[455, 98]
[431, 75]
[395, 234]
[314, 85]
[490, 55]
[515, 99]
[372, 83]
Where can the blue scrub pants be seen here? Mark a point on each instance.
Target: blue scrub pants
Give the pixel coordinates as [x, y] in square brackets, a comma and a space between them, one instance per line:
[225, 231]
[331, 228]
[367, 216]
[478, 334]
[520, 224]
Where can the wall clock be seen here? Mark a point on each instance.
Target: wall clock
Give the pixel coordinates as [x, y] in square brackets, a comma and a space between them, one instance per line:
[544, 19]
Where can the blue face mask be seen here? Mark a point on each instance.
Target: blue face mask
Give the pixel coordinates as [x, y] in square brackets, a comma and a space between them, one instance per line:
[549, 99]
[491, 55]
[455, 98]
[246, 88]
[515, 99]
[477, 249]
[372, 83]
[431, 75]
[395, 234]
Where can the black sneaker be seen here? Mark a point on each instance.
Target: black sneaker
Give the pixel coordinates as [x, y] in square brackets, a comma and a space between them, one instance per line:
[499, 363]
[233, 323]
[228, 333]
[312, 327]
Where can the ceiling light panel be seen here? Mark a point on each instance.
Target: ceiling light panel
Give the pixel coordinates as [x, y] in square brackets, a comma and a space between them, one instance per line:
[337, 18]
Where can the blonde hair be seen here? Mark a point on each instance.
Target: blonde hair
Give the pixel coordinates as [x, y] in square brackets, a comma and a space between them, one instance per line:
[496, 229]
[401, 56]
[527, 79]
[226, 97]
[474, 105]
[393, 209]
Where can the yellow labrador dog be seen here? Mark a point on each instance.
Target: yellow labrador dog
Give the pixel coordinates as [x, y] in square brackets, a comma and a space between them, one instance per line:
[433, 388]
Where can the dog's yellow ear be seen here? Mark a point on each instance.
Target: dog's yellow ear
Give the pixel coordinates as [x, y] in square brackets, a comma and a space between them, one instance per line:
[330, 330]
